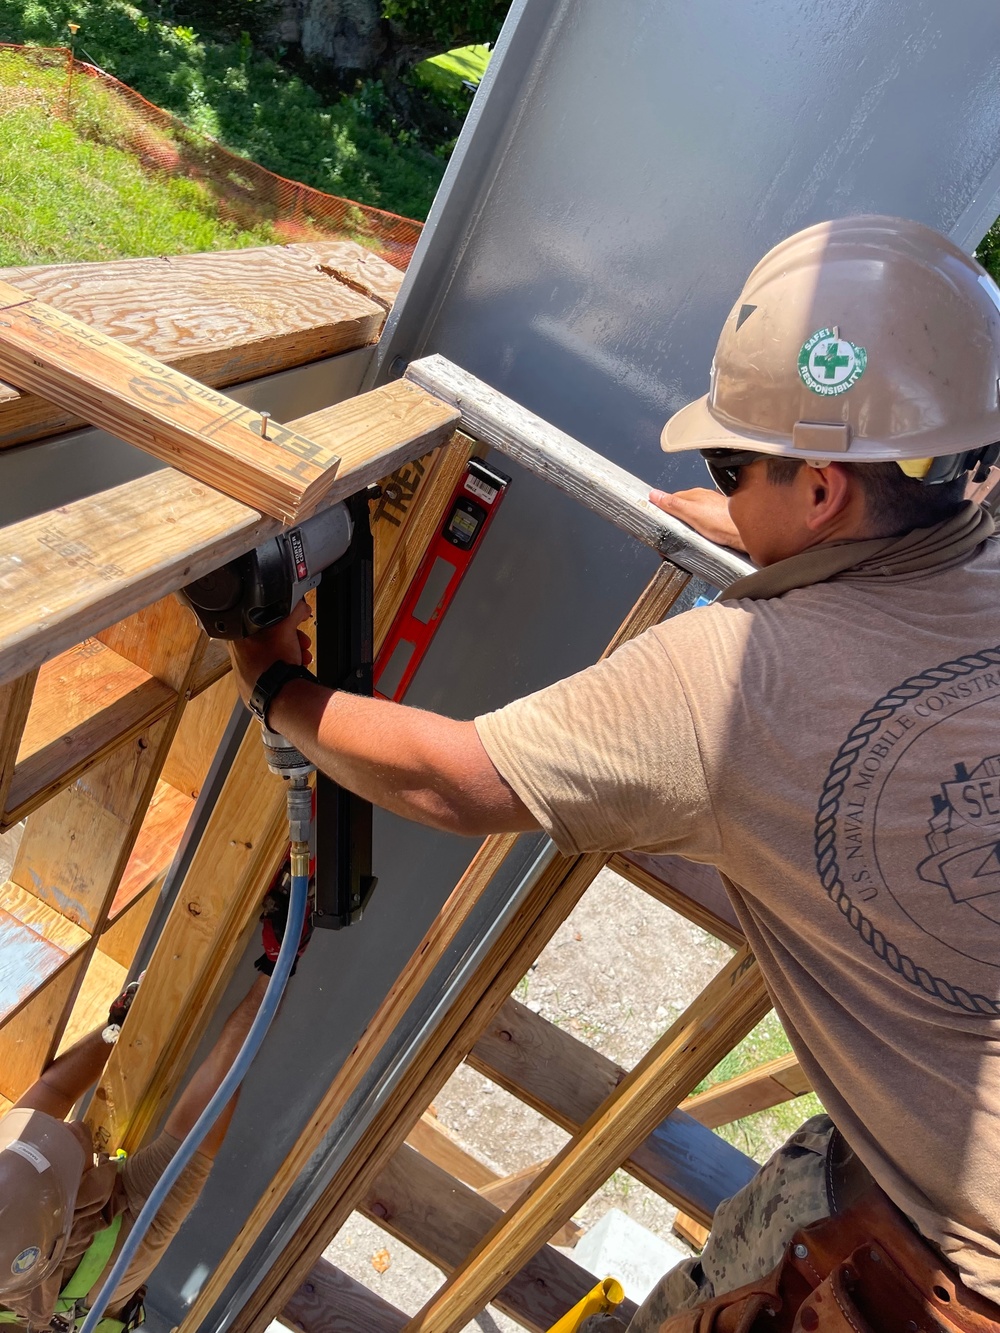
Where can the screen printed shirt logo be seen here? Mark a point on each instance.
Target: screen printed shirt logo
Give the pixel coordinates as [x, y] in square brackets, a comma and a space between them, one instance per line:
[829, 364]
[907, 833]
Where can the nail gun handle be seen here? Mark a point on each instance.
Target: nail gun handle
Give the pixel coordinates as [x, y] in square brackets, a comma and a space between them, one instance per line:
[344, 636]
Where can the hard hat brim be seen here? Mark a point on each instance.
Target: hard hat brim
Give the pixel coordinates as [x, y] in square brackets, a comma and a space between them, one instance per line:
[697, 427]
[694, 427]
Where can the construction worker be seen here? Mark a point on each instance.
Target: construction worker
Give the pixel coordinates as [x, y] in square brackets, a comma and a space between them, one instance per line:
[64, 1216]
[828, 735]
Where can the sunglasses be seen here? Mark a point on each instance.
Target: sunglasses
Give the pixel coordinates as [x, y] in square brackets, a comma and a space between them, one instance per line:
[724, 466]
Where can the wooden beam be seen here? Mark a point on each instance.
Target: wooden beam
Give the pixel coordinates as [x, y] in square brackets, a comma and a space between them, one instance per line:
[15, 703]
[221, 318]
[287, 474]
[583, 473]
[431, 1140]
[566, 1080]
[194, 957]
[44, 772]
[162, 411]
[757, 1090]
[545, 906]
[438, 1145]
[237, 857]
[726, 1010]
[28, 1035]
[690, 1231]
[430, 1211]
[691, 890]
[506, 1191]
[331, 1302]
[70, 573]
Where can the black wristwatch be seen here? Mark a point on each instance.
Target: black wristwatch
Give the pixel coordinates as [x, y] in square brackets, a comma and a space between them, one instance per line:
[271, 682]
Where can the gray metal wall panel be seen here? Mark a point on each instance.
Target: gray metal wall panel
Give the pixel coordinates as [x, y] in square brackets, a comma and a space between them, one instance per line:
[623, 168]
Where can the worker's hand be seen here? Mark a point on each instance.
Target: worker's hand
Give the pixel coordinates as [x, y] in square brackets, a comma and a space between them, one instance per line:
[283, 642]
[704, 510]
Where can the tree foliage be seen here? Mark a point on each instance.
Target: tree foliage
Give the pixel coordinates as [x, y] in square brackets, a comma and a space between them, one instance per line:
[445, 24]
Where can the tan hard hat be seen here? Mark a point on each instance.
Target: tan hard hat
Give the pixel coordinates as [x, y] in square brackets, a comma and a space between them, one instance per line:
[868, 339]
[41, 1165]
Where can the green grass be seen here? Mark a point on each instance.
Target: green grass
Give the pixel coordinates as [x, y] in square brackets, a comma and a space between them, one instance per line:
[760, 1134]
[350, 147]
[454, 67]
[64, 197]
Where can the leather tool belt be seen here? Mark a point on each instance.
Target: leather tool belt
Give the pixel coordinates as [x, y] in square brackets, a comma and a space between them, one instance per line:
[864, 1270]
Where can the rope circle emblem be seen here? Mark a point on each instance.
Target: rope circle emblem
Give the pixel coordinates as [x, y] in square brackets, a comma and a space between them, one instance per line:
[825, 838]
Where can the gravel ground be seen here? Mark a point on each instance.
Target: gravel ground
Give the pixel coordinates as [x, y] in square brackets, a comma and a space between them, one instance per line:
[616, 974]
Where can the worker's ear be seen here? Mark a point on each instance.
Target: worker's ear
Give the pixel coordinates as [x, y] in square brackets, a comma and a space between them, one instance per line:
[829, 491]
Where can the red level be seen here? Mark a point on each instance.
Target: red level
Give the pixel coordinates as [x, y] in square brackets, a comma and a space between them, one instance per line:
[470, 512]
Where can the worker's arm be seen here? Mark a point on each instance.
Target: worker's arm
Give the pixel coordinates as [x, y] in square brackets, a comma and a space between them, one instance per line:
[68, 1077]
[425, 767]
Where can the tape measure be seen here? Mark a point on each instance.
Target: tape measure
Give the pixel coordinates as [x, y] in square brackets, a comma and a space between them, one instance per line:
[471, 510]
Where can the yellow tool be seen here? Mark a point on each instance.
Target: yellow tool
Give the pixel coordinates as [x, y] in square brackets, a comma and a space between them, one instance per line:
[604, 1298]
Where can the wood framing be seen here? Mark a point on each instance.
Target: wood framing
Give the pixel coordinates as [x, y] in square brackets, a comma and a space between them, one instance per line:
[544, 907]
[331, 1302]
[422, 1205]
[278, 469]
[587, 476]
[68, 574]
[221, 318]
[757, 1090]
[721, 1016]
[238, 856]
[567, 1081]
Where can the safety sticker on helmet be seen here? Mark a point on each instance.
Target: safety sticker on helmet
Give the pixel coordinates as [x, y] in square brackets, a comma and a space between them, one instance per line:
[25, 1261]
[829, 365]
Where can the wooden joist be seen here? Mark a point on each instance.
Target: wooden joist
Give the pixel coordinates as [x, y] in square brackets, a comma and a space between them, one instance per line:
[431, 1140]
[567, 1081]
[582, 473]
[422, 1205]
[285, 473]
[331, 1302]
[221, 318]
[692, 890]
[196, 952]
[76, 848]
[757, 1090]
[239, 853]
[724, 1012]
[67, 574]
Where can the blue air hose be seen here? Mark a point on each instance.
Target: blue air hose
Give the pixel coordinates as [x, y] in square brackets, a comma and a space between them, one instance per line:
[298, 900]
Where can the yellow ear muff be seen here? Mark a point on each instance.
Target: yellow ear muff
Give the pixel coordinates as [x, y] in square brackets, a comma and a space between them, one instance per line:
[917, 468]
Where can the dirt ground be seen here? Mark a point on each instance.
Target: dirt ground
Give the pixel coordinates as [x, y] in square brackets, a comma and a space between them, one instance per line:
[616, 974]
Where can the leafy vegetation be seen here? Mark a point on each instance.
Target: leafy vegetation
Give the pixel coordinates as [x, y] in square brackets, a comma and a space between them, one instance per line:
[355, 146]
[64, 197]
[988, 251]
[446, 24]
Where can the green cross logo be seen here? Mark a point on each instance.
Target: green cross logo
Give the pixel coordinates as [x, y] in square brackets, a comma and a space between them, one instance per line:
[830, 365]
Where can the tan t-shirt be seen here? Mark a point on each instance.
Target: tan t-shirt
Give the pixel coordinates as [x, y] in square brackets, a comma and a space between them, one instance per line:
[835, 751]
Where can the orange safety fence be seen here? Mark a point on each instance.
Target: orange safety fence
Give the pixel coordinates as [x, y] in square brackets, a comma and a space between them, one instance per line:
[246, 193]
